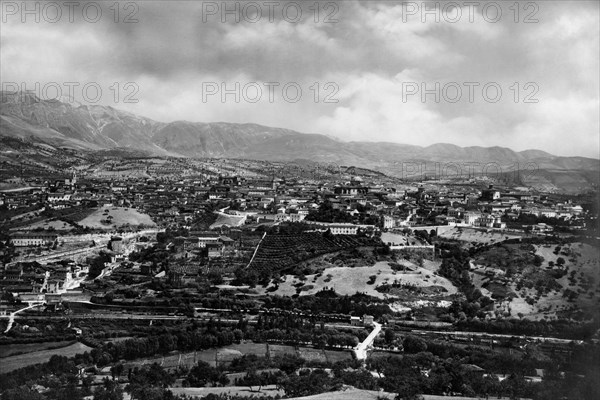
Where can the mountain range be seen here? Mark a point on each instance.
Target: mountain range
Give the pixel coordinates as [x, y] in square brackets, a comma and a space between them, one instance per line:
[69, 124]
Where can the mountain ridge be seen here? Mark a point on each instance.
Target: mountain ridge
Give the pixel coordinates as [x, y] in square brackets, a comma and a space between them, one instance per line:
[96, 127]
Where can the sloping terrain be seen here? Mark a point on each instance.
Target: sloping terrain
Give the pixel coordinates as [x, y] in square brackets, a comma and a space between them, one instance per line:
[541, 281]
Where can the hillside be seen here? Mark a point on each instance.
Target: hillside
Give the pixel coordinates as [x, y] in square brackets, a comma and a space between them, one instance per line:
[540, 281]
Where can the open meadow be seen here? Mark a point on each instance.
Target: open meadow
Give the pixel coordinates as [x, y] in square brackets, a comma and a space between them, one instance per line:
[110, 218]
[349, 280]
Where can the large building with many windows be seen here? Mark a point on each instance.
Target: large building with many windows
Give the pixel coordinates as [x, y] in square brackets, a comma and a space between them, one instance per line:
[33, 239]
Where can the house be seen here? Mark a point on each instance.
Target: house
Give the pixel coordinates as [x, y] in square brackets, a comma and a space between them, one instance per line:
[214, 249]
[472, 218]
[343, 229]
[59, 196]
[474, 369]
[541, 228]
[388, 222]
[456, 213]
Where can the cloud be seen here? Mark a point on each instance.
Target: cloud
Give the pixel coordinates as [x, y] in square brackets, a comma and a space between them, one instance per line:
[371, 49]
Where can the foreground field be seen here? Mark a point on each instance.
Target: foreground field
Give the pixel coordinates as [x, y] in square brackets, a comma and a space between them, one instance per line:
[110, 218]
[14, 362]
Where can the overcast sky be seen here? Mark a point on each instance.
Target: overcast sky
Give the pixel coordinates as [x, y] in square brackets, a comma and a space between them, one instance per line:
[372, 57]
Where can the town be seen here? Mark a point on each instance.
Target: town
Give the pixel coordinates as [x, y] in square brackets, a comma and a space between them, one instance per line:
[152, 277]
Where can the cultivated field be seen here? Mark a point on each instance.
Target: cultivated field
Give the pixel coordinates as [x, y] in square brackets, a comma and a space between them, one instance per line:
[110, 218]
[14, 362]
[282, 252]
[8, 350]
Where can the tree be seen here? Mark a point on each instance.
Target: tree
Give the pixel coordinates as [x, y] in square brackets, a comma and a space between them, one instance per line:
[407, 391]
[148, 382]
[413, 344]
[202, 373]
[110, 390]
[288, 363]
[390, 336]
[252, 378]
[116, 370]
[308, 383]
[22, 393]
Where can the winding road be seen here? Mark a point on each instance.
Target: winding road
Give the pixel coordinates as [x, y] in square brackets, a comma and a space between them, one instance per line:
[11, 317]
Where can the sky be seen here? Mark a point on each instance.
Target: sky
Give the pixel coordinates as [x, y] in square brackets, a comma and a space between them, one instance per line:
[471, 73]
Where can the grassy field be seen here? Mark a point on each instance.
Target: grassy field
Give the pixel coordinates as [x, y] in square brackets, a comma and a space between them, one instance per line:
[14, 362]
[230, 220]
[347, 281]
[268, 390]
[119, 216]
[477, 235]
[348, 393]
[225, 355]
[310, 354]
[351, 393]
[400, 239]
[211, 356]
[58, 225]
[8, 350]
[275, 349]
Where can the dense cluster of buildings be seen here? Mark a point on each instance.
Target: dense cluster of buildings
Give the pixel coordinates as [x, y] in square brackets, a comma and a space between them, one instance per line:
[42, 278]
[353, 204]
[379, 201]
